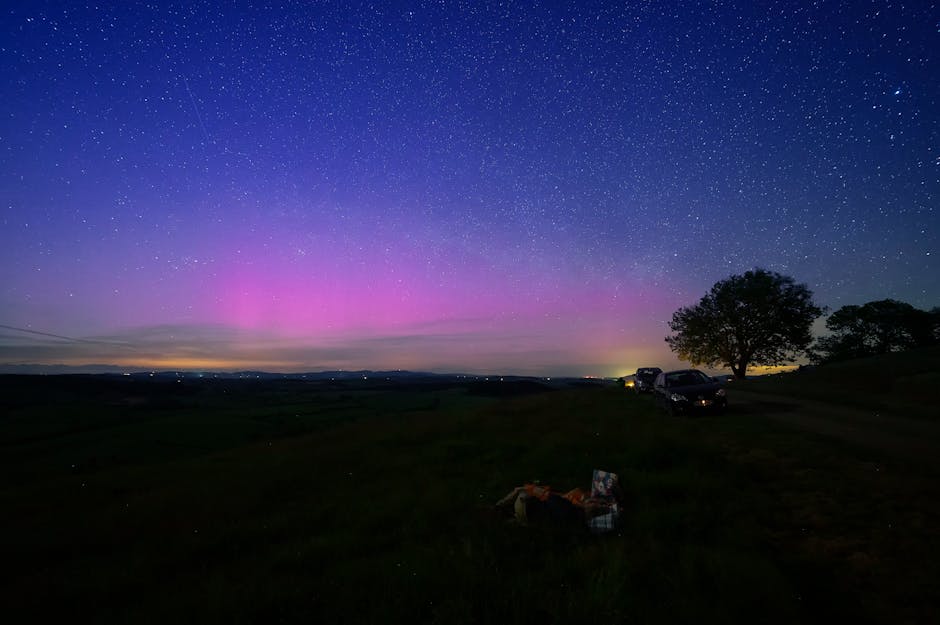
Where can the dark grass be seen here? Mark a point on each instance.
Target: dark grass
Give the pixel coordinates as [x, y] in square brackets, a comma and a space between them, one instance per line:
[238, 502]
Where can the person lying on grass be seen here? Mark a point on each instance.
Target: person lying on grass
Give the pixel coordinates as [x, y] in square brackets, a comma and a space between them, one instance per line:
[535, 502]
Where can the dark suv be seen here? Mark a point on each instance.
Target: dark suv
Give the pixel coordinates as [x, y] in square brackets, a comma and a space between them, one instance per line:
[689, 391]
[643, 380]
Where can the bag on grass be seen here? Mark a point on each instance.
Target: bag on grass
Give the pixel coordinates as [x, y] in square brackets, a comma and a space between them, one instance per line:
[604, 487]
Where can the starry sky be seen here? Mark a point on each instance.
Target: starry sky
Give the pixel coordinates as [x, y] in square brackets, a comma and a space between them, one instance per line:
[482, 187]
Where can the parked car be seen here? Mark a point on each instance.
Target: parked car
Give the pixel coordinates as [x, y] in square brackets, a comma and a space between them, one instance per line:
[689, 391]
[643, 379]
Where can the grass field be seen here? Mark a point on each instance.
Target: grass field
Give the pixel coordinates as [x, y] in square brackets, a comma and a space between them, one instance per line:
[227, 501]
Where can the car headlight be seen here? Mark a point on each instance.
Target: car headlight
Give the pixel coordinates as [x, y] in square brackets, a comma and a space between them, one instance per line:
[720, 392]
[678, 397]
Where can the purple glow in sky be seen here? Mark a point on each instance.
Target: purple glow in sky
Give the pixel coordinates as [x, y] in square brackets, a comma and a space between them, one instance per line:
[499, 188]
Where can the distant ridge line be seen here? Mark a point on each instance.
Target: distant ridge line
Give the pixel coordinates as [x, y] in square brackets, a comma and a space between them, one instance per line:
[100, 369]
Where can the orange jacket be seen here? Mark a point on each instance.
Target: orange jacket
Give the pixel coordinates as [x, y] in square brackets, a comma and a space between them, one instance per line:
[542, 493]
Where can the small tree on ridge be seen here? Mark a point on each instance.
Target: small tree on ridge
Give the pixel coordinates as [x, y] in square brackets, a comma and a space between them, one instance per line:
[876, 328]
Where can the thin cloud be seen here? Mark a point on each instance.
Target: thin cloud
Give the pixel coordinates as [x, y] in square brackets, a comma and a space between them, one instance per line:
[450, 346]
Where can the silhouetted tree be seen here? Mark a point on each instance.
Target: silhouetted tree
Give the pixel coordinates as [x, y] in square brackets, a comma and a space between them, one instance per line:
[876, 328]
[760, 318]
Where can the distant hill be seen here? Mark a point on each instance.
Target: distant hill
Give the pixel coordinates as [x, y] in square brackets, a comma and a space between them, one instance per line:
[35, 369]
[512, 384]
[901, 382]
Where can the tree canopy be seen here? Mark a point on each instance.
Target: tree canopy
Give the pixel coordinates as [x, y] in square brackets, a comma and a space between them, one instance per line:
[760, 318]
[876, 327]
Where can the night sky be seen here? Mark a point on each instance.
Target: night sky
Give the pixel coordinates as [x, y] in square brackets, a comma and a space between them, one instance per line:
[529, 188]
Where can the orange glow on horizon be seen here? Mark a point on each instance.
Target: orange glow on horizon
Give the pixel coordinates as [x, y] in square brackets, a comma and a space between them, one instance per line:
[219, 364]
[755, 370]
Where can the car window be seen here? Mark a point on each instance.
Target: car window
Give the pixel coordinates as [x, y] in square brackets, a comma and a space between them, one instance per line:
[686, 378]
[659, 380]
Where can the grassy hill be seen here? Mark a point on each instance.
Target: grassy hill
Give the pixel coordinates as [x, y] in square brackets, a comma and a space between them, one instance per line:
[282, 501]
[902, 383]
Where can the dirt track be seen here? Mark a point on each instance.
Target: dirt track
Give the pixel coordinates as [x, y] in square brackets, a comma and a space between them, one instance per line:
[890, 434]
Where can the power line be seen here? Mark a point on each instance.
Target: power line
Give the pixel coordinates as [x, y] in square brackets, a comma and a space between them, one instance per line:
[64, 338]
[205, 133]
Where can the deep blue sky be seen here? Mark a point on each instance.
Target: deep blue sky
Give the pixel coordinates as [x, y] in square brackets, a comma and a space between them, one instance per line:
[521, 187]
